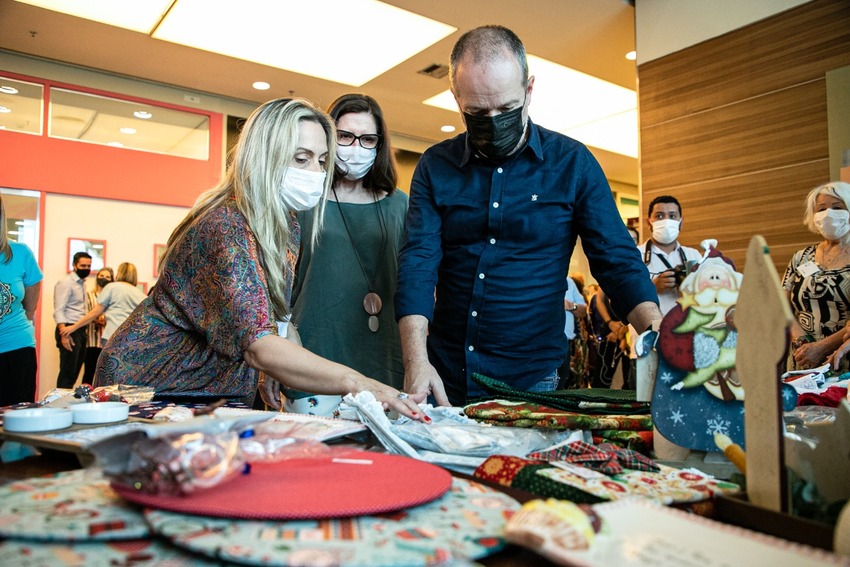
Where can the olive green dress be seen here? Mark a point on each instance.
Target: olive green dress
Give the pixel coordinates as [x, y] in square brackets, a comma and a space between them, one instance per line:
[327, 298]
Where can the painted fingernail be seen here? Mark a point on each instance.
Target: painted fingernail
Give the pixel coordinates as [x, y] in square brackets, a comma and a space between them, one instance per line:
[414, 414]
[426, 418]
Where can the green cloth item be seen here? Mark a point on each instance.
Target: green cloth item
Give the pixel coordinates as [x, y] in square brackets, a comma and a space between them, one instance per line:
[586, 400]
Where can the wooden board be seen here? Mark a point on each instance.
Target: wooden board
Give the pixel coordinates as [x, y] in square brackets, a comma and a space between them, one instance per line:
[763, 318]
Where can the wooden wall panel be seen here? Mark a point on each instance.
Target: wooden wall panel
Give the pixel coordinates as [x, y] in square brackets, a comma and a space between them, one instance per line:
[782, 51]
[736, 127]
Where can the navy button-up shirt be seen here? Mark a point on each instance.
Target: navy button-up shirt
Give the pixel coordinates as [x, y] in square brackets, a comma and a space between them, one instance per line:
[494, 241]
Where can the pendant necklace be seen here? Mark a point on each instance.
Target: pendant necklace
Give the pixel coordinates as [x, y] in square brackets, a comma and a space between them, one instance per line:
[371, 301]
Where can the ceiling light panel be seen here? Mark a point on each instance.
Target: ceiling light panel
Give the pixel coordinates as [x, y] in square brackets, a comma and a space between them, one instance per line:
[137, 15]
[349, 47]
[575, 104]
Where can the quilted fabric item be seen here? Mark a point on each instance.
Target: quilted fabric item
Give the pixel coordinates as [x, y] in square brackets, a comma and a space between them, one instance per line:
[510, 413]
[587, 400]
[466, 522]
[584, 486]
[605, 458]
[640, 441]
[69, 506]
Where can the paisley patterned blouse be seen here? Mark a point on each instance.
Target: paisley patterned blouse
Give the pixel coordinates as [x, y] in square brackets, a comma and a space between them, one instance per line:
[821, 302]
[211, 302]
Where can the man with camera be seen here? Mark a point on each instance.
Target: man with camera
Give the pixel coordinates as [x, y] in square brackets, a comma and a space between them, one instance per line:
[667, 261]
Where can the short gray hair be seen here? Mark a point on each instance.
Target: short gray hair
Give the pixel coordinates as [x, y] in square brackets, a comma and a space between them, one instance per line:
[837, 189]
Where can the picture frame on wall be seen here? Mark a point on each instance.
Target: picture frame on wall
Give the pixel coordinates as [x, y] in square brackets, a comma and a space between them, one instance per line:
[158, 251]
[93, 247]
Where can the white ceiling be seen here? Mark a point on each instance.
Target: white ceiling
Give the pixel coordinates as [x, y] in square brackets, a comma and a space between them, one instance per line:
[591, 36]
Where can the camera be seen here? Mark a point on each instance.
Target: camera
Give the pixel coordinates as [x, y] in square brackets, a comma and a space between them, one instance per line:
[679, 274]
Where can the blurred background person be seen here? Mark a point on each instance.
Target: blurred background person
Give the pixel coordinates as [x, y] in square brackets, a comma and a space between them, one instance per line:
[69, 305]
[94, 330]
[817, 279]
[20, 286]
[575, 310]
[116, 302]
[344, 287]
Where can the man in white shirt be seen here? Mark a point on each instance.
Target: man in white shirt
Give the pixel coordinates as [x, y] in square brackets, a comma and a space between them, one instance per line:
[668, 262]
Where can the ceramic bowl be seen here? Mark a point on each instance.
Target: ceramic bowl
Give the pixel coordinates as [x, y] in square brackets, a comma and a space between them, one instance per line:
[100, 412]
[37, 419]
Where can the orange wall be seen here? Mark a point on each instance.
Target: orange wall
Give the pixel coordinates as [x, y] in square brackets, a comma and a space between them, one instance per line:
[75, 168]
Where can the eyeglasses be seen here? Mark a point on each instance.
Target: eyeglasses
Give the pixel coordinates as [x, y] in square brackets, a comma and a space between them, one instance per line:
[367, 141]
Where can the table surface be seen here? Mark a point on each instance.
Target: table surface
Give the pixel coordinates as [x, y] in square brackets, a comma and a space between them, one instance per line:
[53, 461]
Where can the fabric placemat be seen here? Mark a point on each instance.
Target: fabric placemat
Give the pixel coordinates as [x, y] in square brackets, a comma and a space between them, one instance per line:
[135, 553]
[75, 505]
[530, 414]
[466, 522]
[349, 483]
[588, 400]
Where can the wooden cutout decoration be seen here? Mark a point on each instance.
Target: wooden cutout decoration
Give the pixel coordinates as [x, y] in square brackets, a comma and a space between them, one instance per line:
[763, 319]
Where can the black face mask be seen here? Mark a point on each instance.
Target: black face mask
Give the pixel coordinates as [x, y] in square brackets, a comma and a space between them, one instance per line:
[102, 282]
[495, 137]
[83, 274]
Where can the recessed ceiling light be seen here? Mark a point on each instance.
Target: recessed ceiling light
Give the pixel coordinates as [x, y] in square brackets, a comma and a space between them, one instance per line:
[97, 245]
[631, 55]
[14, 232]
[19, 223]
[600, 114]
[447, 128]
[143, 114]
[5, 110]
[6, 89]
[115, 144]
[128, 130]
[261, 86]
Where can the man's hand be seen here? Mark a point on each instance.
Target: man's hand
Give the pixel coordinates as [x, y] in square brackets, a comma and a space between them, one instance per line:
[67, 343]
[664, 281]
[422, 377]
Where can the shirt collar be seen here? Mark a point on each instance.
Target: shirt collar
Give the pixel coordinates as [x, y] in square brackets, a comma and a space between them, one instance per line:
[533, 143]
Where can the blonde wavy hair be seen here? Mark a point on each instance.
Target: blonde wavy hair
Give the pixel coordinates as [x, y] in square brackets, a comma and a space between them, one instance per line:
[266, 147]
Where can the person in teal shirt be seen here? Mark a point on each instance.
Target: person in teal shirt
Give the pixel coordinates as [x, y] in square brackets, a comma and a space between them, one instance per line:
[20, 287]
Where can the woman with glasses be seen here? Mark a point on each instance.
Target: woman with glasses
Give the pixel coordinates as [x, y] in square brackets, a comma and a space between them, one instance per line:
[343, 295]
[209, 328]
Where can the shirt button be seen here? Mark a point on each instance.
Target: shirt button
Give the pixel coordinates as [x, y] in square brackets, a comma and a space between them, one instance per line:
[471, 348]
[499, 170]
[475, 313]
[480, 276]
[492, 241]
[496, 205]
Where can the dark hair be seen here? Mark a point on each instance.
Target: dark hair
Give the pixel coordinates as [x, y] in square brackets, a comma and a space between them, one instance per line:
[663, 199]
[79, 255]
[382, 176]
[487, 43]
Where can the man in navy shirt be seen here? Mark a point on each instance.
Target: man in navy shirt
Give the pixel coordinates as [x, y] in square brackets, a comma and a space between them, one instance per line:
[493, 220]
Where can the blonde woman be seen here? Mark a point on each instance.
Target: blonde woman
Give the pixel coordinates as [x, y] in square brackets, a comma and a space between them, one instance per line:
[94, 331]
[20, 286]
[209, 327]
[115, 302]
[817, 279]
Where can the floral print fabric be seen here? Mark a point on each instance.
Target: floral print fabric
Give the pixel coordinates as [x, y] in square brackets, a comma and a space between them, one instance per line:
[210, 303]
[530, 414]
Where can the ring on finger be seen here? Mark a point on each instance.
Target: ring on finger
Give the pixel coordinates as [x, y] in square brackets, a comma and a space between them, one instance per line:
[403, 396]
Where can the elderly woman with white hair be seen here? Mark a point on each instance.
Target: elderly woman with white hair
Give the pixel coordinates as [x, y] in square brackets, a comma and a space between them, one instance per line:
[817, 279]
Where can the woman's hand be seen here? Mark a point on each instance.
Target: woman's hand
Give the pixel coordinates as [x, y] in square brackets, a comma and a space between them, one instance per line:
[67, 330]
[810, 355]
[269, 389]
[405, 404]
[838, 355]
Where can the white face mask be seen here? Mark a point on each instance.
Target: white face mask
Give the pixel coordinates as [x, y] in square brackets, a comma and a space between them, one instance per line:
[301, 189]
[665, 231]
[355, 161]
[832, 223]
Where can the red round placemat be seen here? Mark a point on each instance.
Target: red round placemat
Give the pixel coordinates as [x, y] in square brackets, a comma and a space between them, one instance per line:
[354, 483]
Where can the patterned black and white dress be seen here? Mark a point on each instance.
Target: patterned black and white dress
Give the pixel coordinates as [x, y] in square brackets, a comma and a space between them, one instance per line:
[821, 301]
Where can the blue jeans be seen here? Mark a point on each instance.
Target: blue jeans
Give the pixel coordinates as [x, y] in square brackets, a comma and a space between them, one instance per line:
[548, 384]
